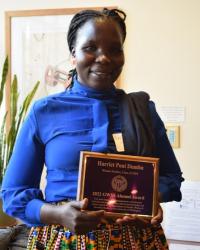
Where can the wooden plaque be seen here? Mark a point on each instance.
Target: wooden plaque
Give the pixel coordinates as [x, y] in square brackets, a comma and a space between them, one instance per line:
[119, 184]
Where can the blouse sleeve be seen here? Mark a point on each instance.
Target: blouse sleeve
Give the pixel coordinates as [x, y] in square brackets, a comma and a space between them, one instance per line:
[20, 188]
[170, 175]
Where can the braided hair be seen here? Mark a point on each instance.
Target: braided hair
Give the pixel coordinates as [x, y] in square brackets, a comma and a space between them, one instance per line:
[83, 16]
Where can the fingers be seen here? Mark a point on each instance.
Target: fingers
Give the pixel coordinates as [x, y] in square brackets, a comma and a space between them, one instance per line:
[134, 220]
[92, 217]
[75, 216]
[84, 203]
[86, 215]
[87, 221]
[98, 213]
[127, 219]
[80, 205]
[81, 214]
[159, 216]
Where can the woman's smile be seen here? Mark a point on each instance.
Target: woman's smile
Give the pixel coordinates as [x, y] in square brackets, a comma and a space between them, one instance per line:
[101, 73]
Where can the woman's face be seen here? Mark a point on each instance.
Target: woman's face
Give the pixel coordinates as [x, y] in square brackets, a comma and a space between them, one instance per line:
[98, 53]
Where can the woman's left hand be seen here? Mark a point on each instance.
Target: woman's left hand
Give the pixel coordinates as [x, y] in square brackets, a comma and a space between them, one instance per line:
[141, 222]
[158, 218]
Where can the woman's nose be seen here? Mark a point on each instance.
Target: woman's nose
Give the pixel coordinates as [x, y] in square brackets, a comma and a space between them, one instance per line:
[103, 58]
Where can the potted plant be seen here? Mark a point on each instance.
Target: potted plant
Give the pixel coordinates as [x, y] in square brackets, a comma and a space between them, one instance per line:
[8, 134]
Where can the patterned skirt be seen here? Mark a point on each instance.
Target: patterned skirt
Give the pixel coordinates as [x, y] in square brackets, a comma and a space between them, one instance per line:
[105, 237]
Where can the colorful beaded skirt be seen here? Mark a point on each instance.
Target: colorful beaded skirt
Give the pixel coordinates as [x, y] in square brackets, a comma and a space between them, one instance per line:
[112, 237]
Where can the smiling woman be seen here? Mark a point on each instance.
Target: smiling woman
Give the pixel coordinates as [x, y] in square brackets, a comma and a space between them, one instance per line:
[97, 54]
[87, 116]
[98, 59]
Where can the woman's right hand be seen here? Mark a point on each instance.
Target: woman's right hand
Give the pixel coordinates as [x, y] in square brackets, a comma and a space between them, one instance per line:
[72, 215]
[79, 221]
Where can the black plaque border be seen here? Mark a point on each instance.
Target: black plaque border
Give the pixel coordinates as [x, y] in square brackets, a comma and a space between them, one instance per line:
[82, 170]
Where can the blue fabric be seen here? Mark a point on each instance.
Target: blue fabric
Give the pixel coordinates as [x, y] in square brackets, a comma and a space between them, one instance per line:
[57, 128]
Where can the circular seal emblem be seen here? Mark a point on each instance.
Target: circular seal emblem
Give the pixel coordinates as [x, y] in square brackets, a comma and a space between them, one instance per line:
[119, 183]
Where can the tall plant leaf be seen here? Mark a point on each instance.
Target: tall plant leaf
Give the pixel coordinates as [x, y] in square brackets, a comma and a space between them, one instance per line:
[25, 105]
[13, 99]
[2, 146]
[18, 119]
[13, 112]
[17, 114]
[3, 79]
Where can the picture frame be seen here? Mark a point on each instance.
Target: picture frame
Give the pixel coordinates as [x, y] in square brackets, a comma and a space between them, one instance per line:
[119, 184]
[36, 43]
[173, 134]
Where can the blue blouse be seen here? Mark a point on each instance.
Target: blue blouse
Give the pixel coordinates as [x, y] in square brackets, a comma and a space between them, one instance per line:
[57, 128]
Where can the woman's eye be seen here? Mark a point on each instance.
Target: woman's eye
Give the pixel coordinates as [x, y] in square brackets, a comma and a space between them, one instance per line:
[89, 48]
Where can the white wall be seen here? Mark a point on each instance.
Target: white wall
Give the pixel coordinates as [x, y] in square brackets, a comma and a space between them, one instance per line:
[162, 58]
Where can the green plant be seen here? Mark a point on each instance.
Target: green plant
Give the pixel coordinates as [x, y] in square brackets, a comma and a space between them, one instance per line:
[17, 115]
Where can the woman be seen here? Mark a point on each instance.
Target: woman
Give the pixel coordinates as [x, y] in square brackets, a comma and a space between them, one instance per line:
[84, 118]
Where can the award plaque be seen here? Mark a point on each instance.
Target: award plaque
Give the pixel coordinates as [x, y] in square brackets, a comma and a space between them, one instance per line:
[119, 184]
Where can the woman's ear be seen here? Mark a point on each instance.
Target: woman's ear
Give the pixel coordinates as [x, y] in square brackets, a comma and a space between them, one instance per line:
[73, 57]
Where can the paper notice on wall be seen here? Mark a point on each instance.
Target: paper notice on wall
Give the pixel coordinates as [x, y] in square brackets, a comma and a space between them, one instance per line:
[182, 219]
[172, 114]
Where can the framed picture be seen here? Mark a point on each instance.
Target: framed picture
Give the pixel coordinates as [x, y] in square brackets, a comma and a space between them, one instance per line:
[173, 133]
[130, 183]
[36, 45]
